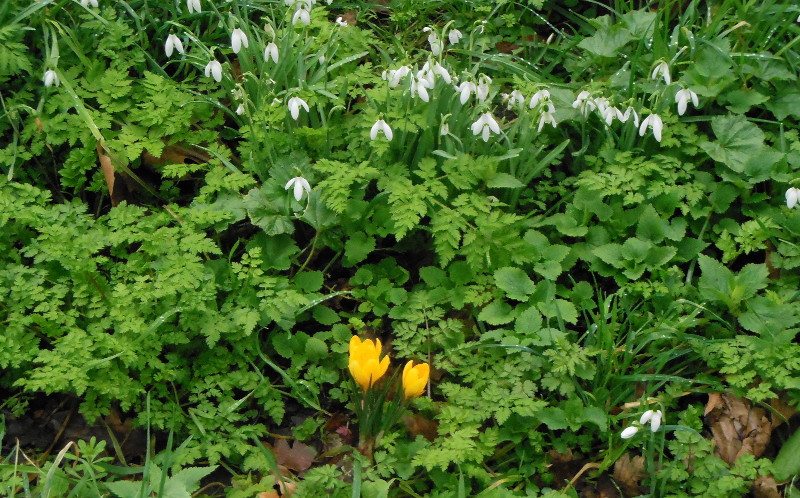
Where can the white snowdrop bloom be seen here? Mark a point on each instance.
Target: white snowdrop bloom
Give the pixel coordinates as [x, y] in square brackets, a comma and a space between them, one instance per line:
[300, 184]
[629, 432]
[301, 16]
[50, 78]
[321, 59]
[238, 39]
[341, 22]
[655, 421]
[420, 87]
[214, 68]
[683, 97]
[465, 89]
[426, 74]
[393, 76]
[436, 44]
[548, 116]
[792, 197]
[240, 109]
[271, 52]
[652, 121]
[193, 6]
[294, 105]
[515, 99]
[485, 125]
[625, 116]
[442, 72]
[602, 105]
[380, 126]
[540, 96]
[454, 36]
[482, 90]
[584, 102]
[173, 43]
[609, 113]
[87, 3]
[444, 129]
[661, 69]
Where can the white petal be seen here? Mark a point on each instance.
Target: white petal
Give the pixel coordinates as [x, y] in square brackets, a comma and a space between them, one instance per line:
[298, 190]
[694, 98]
[646, 416]
[643, 127]
[542, 120]
[290, 183]
[492, 123]
[373, 132]
[629, 432]
[169, 46]
[655, 423]
[658, 125]
[216, 71]
[486, 133]
[792, 196]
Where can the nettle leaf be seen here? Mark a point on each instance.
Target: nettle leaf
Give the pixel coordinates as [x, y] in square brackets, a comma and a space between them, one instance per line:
[738, 141]
[515, 283]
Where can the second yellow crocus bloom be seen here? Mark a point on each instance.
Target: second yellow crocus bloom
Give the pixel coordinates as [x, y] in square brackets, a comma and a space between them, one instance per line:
[415, 378]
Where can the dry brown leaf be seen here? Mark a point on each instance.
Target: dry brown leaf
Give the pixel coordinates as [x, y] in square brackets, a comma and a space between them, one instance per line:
[418, 425]
[738, 428]
[628, 473]
[298, 458]
[285, 488]
[176, 154]
[108, 173]
[781, 412]
[765, 487]
[714, 400]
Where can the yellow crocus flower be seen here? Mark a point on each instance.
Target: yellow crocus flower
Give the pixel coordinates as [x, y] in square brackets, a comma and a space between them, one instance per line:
[365, 364]
[415, 378]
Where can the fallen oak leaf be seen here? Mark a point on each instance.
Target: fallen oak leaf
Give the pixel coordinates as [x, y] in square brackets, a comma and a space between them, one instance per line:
[628, 473]
[298, 458]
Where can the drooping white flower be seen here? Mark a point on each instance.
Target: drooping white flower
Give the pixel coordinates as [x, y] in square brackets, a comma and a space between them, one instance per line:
[240, 110]
[629, 432]
[341, 22]
[792, 197]
[661, 69]
[540, 96]
[193, 6]
[652, 121]
[652, 416]
[625, 116]
[238, 39]
[444, 129]
[271, 52]
[485, 125]
[609, 113]
[300, 184]
[436, 44]
[380, 126]
[454, 36]
[683, 97]
[514, 99]
[294, 105]
[441, 71]
[420, 88]
[548, 116]
[482, 90]
[87, 3]
[50, 78]
[393, 76]
[302, 16]
[214, 68]
[584, 102]
[466, 88]
[426, 74]
[173, 43]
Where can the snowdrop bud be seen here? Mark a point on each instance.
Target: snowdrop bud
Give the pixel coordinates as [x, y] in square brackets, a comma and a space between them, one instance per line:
[240, 109]
[214, 68]
[193, 6]
[173, 43]
[269, 30]
[238, 38]
[646, 416]
[271, 52]
[482, 90]
[436, 44]
[465, 89]
[50, 78]
[321, 59]
[380, 126]
[441, 71]
[792, 196]
[663, 69]
[515, 98]
[454, 36]
[629, 432]
[87, 3]
[538, 97]
[300, 184]
[444, 129]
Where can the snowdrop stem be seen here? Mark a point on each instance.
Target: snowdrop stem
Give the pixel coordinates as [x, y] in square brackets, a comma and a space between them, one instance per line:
[310, 247]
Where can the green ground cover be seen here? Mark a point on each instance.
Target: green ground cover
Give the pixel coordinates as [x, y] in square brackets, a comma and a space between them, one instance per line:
[578, 219]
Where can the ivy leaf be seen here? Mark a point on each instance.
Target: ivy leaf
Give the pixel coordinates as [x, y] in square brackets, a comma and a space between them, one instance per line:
[514, 282]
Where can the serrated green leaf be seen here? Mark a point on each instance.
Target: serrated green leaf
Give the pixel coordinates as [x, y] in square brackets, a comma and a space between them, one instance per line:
[309, 281]
[514, 282]
[357, 248]
[498, 312]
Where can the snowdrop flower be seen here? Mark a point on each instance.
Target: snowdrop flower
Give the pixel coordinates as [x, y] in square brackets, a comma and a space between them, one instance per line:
[454, 36]
[87, 3]
[173, 43]
[515, 98]
[441, 71]
[584, 102]
[609, 113]
[465, 89]
[683, 97]
[341, 22]
[271, 52]
[214, 68]
[540, 96]
[301, 16]
[652, 121]
[380, 126]
[663, 69]
[792, 197]
[393, 76]
[420, 86]
[240, 110]
[294, 107]
[300, 184]
[50, 78]
[548, 116]
[238, 38]
[625, 116]
[193, 5]
[426, 74]
[652, 416]
[482, 91]
[485, 125]
[629, 432]
[436, 44]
